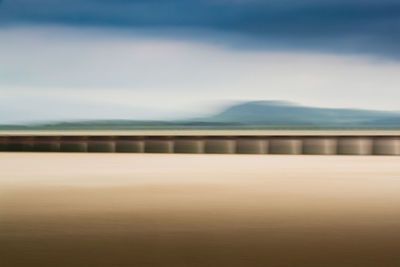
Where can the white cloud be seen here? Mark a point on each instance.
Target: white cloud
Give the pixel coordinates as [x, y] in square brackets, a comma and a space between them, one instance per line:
[122, 72]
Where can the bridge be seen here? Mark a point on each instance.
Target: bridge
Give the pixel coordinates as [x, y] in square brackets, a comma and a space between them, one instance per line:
[209, 142]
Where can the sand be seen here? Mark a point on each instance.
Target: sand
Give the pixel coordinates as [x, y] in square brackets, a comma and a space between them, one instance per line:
[198, 210]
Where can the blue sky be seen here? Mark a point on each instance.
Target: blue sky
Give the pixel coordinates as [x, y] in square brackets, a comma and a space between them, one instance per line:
[161, 59]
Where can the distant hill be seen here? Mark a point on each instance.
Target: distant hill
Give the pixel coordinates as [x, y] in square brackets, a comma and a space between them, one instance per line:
[285, 113]
[248, 115]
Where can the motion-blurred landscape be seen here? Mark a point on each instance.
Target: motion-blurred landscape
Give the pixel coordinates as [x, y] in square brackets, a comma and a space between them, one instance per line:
[247, 115]
[199, 133]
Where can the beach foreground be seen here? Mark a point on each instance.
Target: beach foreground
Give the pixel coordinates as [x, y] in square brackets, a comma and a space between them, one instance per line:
[198, 210]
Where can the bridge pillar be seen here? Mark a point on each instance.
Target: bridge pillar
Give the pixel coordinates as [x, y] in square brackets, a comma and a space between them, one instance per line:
[386, 146]
[220, 145]
[3, 143]
[159, 145]
[19, 144]
[101, 144]
[46, 144]
[129, 144]
[285, 145]
[355, 145]
[188, 145]
[319, 145]
[73, 144]
[251, 145]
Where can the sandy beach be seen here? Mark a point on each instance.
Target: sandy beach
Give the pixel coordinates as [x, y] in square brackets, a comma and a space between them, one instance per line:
[198, 210]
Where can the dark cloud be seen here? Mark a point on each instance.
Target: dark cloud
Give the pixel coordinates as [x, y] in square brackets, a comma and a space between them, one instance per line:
[361, 26]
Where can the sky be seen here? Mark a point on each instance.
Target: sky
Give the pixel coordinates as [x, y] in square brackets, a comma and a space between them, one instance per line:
[167, 59]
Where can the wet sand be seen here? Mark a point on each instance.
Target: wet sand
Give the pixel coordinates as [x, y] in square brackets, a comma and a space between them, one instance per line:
[198, 210]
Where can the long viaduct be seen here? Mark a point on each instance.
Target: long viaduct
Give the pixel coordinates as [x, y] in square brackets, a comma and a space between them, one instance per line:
[212, 142]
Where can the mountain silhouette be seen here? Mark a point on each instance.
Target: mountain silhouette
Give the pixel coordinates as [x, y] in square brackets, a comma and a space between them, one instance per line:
[287, 113]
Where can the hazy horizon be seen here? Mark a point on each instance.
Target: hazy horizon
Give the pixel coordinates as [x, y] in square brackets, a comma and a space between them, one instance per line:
[209, 113]
[78, 60]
